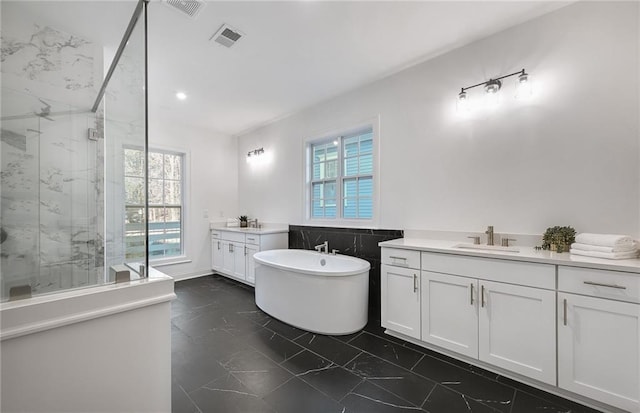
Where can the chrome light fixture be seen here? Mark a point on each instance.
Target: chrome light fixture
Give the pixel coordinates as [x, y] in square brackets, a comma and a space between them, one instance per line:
[255, 152]
[493, 86]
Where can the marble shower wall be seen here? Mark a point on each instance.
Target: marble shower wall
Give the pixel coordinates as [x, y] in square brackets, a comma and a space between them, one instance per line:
[361, 243]
[52, 181]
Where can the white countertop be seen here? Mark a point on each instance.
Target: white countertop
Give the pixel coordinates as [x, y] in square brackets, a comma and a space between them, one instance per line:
[267, 229]
[528, 254]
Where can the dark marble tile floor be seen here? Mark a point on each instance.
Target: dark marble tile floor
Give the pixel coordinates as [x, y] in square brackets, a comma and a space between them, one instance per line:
[228, 356]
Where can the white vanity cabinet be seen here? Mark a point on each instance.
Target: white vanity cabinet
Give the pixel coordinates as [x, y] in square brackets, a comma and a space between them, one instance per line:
[400, 289]
[232, 251]
[467, 308]
[565, 324]
[599, 335]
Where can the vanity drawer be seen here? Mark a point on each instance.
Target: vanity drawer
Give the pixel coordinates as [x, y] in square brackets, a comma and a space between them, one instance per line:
[252, 239]
[401, 258]
[228, 235]
[528, 274]
[615, 285]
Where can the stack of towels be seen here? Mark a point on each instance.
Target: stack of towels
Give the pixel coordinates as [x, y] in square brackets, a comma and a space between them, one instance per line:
[613, 247]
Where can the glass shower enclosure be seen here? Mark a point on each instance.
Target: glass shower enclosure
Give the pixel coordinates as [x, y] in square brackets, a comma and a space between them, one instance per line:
[65, 127]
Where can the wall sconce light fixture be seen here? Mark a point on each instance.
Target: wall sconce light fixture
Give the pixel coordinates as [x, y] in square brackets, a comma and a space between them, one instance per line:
[493, 86]
[255, 152]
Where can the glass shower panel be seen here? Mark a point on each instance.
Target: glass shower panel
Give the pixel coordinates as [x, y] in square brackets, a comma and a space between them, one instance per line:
[51, 239]
[124, 123]
[65, 217]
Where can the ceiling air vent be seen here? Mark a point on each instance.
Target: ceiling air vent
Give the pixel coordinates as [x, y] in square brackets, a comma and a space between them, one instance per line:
[189, 7]
[227, 35]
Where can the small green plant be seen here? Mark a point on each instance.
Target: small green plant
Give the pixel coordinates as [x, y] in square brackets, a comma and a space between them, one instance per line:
[243, 218]
[558, 238]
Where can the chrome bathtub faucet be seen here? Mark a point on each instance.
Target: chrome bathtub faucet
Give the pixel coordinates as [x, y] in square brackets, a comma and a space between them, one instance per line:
[323, 248]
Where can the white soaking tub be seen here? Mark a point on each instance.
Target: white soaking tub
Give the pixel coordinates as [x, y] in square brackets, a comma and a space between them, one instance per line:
[321, 293]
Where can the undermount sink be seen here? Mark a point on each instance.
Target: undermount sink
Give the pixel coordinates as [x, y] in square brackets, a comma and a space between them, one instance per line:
[487, 247]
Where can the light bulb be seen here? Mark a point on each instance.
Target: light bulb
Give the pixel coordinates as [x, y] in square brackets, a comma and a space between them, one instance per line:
[523, 86]
[492, 86]
[463, 102]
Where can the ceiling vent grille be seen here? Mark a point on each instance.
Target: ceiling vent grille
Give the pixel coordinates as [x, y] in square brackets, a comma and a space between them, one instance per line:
[189, 7]
[227, 35]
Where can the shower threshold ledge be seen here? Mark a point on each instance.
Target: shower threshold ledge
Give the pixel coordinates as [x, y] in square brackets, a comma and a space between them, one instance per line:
[41, 313]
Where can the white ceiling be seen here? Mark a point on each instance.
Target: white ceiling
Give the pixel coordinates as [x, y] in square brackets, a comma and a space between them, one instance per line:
[293, 55]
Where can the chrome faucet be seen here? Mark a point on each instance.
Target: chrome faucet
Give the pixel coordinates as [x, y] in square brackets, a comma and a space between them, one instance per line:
[323, 248]
[489, 233]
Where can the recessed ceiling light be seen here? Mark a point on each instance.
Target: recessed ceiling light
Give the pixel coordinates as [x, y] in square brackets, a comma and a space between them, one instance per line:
[181, 95]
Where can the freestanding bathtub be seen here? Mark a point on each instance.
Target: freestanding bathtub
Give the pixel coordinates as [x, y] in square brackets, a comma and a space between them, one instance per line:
[321, 293]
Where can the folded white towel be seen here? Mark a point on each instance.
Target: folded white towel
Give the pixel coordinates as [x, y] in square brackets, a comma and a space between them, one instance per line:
[621, 248]
[603, 240]
[607, 255]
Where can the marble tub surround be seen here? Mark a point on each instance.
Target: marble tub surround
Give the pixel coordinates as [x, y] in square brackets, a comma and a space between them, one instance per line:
[356, 242]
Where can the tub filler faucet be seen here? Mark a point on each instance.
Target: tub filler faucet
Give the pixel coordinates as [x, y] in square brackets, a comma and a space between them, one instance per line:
[323, 248]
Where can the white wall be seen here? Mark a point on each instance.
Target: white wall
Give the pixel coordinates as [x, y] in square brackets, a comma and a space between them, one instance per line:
[569, 156]
[211, 184]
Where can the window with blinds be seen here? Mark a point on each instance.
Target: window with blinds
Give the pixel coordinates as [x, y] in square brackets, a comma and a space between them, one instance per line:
[342, 177]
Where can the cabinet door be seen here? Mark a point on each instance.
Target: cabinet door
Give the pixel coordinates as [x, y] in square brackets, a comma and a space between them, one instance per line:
[217, 254]
[599, 348]
[450, 312]
[250, 265]
[238, 260]
[401, 300]
[228, 261]
[517, 329]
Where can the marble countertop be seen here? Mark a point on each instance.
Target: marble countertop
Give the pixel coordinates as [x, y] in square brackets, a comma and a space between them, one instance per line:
[267, 229]
[526, 254]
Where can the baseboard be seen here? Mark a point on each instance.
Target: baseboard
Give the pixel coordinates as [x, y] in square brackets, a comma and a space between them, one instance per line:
[183, 277]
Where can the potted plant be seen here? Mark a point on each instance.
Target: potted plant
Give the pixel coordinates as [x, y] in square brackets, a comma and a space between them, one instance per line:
[244, 220]
[558, 239]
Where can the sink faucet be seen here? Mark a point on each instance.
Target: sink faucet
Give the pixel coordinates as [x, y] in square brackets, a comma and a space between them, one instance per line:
[489, 233]
[323, 248]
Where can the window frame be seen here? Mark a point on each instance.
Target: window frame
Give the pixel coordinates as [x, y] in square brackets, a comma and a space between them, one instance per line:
[178, 258]
[341, 133]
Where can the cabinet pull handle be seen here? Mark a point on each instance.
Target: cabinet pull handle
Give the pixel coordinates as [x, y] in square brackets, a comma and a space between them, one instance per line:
[397, 258]
[230, 247]
[218, 245]
[251, 239]
[565, 311]
[619, 287]
[415, 283]
[245, 250]
[471, 295]
[482, 296]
